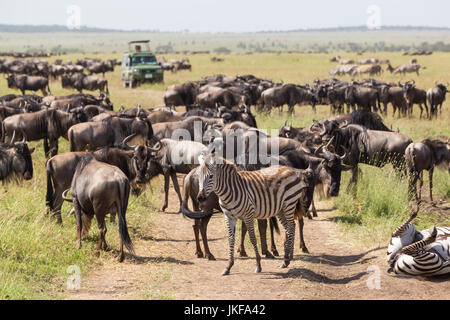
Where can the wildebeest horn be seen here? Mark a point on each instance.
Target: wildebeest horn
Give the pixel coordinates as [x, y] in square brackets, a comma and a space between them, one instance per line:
[125, 141]
[138, 110]
[64, 196]
[345, 124]
[345, 153]
[285, 123]
[13, 137]
[156, 148]
[24, 137]
[329, 142]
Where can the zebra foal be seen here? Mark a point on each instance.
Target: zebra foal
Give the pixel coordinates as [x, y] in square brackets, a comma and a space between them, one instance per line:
[274, 191]
[414, 253]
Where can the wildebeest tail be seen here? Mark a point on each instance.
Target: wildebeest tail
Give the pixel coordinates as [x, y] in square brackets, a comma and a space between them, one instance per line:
[48, 87]
[71, 142]
[122, 210]
[50, 192]
[3, 132]
[193, 214]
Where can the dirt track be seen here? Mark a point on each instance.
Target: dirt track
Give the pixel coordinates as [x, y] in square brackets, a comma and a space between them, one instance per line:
[166, 267]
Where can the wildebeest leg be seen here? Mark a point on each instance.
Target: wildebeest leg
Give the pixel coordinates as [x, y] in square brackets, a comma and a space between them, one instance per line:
[302, 240]
[353, 177]
[231, 224]
[203, 231]
[102, 232]
[196, 227]
[430, 176]
[426, 109]
[262, 227]
[46, 148]
[241, 248]
[173, 175]
[166, 191]
[251, 233]
[78, 219]
[313, 208]
[420, 177]
[53, 147]
[273, 247]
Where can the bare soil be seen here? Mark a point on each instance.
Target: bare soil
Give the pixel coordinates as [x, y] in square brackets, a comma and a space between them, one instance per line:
[166, 268]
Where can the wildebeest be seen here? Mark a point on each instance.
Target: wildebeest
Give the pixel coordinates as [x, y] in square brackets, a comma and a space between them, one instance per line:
[61, 168]
[108, 132]
[426, 155]
[169, 157]
[366, 98]
[223, 97]
[181, 94]
[289, 94]
[24, 82]
[15, 161]
[404, 68]
[98, 188]
[436, 97]
[371, 69]
[362, 145]
[189, 128]
[413, 96]
[48, 124]
[82, 82]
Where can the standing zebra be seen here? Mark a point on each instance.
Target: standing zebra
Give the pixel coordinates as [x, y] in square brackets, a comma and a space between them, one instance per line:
[424, 253]
[248, 195]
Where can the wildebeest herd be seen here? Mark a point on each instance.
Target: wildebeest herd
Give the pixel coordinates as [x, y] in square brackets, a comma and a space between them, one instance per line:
[35, 75]
[231, 165]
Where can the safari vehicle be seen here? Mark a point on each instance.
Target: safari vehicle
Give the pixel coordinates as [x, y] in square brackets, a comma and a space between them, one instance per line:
[139, 65]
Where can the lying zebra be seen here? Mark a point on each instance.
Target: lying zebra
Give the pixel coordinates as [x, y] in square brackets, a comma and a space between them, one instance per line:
[424, 253]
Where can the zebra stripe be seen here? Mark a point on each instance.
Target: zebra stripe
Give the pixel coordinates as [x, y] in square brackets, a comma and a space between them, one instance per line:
[427, 257]
[248, 195]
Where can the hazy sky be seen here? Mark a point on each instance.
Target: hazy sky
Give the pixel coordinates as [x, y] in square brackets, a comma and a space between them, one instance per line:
[226, 15]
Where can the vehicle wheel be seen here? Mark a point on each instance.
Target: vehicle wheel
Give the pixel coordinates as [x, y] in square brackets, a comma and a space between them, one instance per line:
[125, 84]
[132, 83]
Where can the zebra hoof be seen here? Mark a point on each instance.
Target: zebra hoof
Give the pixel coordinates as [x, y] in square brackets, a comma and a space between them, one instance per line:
[283, 265]
[226, 272]
[258, 269]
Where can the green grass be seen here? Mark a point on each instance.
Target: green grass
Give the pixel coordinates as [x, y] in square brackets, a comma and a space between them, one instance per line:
[35, 252]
